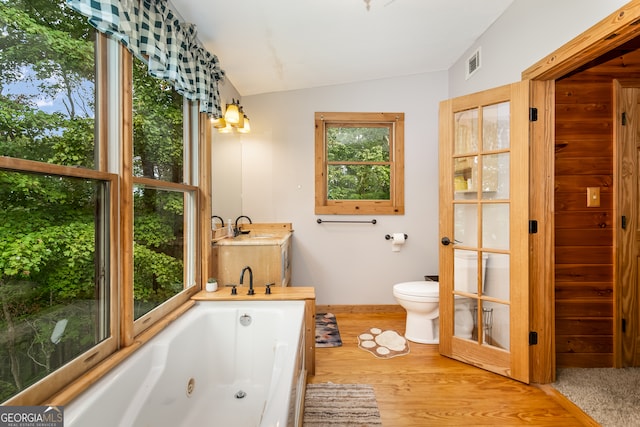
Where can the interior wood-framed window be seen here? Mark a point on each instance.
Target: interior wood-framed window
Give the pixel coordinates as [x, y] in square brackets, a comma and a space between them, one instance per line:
[359, 163]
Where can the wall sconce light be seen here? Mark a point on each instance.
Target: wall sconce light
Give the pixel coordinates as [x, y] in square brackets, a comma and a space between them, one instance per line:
[234, 118]
[226, 129]
[232, 113]
[247, 127]
[219, 123]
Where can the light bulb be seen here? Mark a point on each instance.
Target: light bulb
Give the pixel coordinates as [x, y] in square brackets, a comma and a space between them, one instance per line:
[226, 129]
[232, 115]
[219, 123]
[247, 127]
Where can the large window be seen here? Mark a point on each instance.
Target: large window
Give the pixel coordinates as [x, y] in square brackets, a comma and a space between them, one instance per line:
[359, 163]
[51, 296]
[99, 176]
[55, 293]
[161, 194]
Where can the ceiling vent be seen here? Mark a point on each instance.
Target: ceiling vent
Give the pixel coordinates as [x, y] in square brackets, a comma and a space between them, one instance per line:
[473, 64]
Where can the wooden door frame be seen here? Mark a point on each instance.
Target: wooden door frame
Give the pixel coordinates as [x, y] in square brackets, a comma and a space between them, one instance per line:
[611, 32]
[542, 356]
[624, 289]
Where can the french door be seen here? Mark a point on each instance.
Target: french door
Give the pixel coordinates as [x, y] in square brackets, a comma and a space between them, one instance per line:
[484, 229]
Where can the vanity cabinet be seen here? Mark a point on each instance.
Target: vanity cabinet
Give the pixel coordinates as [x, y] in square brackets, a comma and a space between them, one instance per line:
[266, 252]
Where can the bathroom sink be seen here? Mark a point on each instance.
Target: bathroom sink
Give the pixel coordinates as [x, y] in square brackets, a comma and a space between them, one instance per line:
[253, 235]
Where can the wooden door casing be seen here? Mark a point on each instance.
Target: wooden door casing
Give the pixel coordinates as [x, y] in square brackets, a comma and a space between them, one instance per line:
[627, 232]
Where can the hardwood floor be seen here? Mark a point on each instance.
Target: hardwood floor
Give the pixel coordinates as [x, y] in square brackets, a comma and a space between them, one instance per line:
[424, 388]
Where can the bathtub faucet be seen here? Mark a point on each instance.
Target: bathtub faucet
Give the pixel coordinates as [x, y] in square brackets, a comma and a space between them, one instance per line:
[251, 292]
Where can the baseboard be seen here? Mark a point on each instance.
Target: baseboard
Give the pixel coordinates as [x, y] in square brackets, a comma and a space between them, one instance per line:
[379, 308]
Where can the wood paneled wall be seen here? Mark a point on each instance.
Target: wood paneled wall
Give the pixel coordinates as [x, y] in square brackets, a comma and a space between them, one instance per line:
[584, 236]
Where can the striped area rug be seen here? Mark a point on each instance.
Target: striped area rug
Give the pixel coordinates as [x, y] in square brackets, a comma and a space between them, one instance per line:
[337, 405]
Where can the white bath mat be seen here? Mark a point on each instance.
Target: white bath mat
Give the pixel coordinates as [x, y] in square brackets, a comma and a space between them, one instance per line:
[383, 344]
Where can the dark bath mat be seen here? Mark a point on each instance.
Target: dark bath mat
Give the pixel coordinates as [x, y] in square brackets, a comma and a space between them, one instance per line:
[327, 333]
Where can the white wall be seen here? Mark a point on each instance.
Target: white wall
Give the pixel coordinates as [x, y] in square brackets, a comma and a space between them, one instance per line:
[353, 264]
[527, 32]
[347, 263]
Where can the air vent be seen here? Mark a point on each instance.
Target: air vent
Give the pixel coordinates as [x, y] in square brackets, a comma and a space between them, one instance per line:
[473, 63]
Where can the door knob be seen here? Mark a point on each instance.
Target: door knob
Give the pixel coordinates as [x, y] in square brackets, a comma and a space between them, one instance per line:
[445, 241]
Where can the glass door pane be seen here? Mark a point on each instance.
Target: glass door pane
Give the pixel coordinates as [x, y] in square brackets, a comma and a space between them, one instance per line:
[495, 176]
[466, 225]
[497, 273]
[494, 324]
[495, 126]
[466, 131]
[466, 176]
[464, 323]
[495, 226]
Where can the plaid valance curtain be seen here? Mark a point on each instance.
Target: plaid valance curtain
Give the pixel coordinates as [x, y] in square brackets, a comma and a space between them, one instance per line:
[155, 35]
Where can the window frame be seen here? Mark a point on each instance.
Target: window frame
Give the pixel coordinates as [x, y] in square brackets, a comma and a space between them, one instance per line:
[83, 362]
[395, 204]
[79, 365]
[133, 328]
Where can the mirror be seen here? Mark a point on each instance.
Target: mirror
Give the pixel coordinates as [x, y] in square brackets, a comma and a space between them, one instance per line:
[226, 175]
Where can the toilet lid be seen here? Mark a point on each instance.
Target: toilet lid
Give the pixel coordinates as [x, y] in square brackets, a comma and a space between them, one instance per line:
[419, 289]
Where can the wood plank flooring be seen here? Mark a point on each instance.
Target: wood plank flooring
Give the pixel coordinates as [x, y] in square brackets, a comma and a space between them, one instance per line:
[424, 388]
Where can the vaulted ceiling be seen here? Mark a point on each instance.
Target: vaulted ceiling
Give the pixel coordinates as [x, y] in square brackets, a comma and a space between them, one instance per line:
[278, 45]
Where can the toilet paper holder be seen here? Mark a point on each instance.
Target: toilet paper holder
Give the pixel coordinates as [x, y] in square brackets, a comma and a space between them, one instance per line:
[390, 237]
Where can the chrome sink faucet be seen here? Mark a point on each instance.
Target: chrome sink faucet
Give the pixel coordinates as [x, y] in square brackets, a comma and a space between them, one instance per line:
[251, 291]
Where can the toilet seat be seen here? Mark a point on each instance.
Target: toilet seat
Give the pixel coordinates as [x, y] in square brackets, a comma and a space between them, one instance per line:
[417, 290]
[423, 291]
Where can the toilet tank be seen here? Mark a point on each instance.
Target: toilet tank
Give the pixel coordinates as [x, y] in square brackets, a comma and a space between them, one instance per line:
[465, 272]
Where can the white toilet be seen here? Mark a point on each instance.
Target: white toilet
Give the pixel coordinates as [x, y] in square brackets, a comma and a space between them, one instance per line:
[421, 299]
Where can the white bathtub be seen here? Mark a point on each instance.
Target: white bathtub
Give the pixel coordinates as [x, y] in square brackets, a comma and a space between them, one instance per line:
[195, 372]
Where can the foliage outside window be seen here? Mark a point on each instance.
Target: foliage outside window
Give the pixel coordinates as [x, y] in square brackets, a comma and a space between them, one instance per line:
[47, 80]
[52, 305]
[359, 163]
[54, 242]
[158, 127]
[159, 213]
[158, 251]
